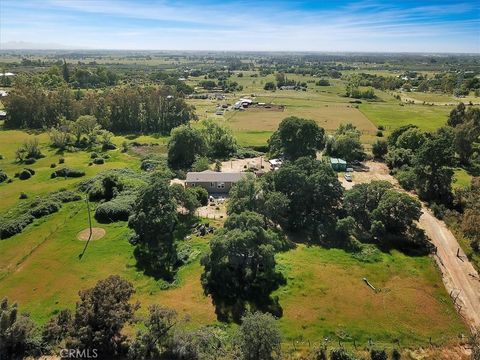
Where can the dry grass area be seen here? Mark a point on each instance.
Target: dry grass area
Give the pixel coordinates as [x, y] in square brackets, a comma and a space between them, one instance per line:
[97, 234]
[328, 116]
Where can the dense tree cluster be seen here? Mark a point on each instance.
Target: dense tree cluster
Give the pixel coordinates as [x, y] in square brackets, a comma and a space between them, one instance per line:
[345, 143]
[376, 212]
[423, 161]
[187, 144]
[120, 109]
[240, 267]
[297, 137]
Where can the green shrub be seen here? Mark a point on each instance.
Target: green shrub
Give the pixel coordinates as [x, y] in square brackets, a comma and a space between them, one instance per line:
[99, 161]
[1, 157]
[53, 165]
[201, 194]
[3, 176]
[153, 162]
[108, 146]
[378, 355]
[379, 133]
[67, 172]
[341, 354]
[31, 171]
[61, 160]
[10, 227]
[24, 174]
[65, 196]
[118, 209]
[44, 207]
[406, 178]
[93, 155]
[23, 196]
[30, 161]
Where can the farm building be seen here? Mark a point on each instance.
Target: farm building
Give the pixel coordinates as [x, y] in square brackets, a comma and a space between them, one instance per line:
[338, 164]
[212, 181]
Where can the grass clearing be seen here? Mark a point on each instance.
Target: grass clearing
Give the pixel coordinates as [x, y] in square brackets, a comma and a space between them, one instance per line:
[326, 297]
[392, 115]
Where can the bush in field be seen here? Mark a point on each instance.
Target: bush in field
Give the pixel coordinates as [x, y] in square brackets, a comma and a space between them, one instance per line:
[341, 354]
[65, 196]
[380, 149]
[23, 196]
[67, 172]
[24, 174]
[53, 165]
[11, 227]
[99, 161]
[3, 176]
[61, 161]
[29, 149]
[118, 209]
[30, 161]
[44, 208]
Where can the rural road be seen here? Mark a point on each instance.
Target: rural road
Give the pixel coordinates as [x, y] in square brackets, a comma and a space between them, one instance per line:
[459, 276]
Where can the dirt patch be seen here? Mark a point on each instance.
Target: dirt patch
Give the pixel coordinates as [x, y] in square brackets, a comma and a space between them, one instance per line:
[97, 234]
[236, 165]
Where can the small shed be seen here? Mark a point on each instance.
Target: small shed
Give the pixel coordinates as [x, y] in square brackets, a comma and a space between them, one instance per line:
[338, 164]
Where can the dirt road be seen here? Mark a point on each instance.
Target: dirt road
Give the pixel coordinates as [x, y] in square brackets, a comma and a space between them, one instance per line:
[459, 276]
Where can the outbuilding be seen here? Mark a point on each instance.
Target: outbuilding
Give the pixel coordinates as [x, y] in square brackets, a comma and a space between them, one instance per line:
[338, 164]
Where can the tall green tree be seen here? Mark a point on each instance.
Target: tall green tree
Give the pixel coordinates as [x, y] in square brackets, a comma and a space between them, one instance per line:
[300, 137]
[101, 315]
[185, 144]
[154, 220]
[240, 268]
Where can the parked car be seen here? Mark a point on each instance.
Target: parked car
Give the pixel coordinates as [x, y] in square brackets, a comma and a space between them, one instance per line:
[348, 177]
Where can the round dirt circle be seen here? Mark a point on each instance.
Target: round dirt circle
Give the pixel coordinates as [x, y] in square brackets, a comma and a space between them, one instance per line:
[97, 234]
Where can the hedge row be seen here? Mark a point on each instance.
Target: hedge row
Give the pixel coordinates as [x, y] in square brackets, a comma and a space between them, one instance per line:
[67, 172]
[18, 218]
[118, 209]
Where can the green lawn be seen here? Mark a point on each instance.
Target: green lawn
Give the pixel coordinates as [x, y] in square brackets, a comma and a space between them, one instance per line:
[461, 178]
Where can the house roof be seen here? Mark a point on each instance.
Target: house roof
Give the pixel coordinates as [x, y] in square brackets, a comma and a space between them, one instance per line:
[213, 176]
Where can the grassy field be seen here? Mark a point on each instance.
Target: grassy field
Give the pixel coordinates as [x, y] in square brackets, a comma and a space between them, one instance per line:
[325, 295]
[391, 115]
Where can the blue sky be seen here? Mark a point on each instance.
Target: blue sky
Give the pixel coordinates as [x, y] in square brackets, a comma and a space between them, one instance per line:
[370, 25]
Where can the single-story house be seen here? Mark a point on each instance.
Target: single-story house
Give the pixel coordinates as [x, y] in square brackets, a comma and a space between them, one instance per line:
[212, 181]
[338, 164]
